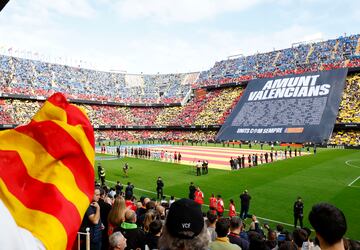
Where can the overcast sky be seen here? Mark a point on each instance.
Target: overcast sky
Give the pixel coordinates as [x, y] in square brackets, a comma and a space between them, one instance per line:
[168, 36]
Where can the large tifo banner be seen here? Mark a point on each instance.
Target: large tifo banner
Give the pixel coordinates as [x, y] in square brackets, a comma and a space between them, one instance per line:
[293, 108]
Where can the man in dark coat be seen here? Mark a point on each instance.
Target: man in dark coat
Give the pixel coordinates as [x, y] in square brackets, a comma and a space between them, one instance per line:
[298, 212]
[245, 204]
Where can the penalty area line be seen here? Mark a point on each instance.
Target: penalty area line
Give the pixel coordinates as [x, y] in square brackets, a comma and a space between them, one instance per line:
[354, 182]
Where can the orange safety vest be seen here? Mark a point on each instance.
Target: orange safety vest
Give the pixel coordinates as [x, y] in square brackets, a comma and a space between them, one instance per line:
[220, 206]
[212, 202]
[199, 197]
[232, 211]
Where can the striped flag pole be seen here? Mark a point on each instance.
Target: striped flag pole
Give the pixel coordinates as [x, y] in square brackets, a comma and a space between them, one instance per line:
[47, 172]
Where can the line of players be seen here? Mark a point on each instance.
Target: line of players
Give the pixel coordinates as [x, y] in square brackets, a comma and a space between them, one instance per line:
[147, 153]
[256, 159]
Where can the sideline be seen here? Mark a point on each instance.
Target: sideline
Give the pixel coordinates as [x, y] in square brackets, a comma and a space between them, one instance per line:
[263, 218]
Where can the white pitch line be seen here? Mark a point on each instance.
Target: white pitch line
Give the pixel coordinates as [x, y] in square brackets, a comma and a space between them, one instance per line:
[266, 219]
[354, 181]
[351, 165]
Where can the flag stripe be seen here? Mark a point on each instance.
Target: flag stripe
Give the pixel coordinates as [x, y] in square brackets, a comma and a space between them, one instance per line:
[58, 143]
[40, 224]
[48, 198]
[78, 135]
[31, 153]
[74, 115]
[47, 113]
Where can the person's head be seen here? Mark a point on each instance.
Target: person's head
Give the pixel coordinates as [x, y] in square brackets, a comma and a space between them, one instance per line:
[299, 198]
[117, 241]
[231, 201]
[288, 245]
[145, 201]
[272, 235]
[149, 217]
[130, 216]
[129, 183]
[211, 217]
[160, 211]
[159, 178]
[300, 236]
[279, 228]
[117, 213]
[102, 193]
[235, 224]
[155, 227]
[329, 223]
[218, 196]
[184, 227]
[245, 191]
[222, 227]
[128, 196]
[96, 196]
[150, 205]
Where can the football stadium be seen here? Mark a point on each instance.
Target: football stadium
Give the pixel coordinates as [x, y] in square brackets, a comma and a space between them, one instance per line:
[263, 147]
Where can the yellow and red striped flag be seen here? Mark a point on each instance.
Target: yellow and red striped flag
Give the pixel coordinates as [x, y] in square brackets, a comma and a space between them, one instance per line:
[47, 172]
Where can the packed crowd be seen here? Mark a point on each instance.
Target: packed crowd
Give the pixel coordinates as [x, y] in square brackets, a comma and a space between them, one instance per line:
[117, 220]
[211, 109]
[137, 135]
[349, 110]
[330, 54]
[348, 137]
[24, 76]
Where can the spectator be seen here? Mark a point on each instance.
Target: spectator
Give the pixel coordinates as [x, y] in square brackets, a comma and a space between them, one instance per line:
[236, 227]
[211, 223]
[117, 214]
[117, 241]
[152, 238]
[222, 241]
[329, 224]
[184, 227]
[135, 237]
[93, 221]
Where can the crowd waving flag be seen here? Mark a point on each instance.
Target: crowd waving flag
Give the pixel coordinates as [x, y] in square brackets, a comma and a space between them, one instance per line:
[47, 172]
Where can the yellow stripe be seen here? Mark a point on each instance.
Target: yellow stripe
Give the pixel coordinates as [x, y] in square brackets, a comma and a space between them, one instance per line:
[50, 112]
[77, 133]
[43, 226]
[47, 170]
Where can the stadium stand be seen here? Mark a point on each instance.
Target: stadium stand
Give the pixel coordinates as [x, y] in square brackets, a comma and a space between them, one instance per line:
[23, 76]
[201, 105]
[298, 59]
[349, 111]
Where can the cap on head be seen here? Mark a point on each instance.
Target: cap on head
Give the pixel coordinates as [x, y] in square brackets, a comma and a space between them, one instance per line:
[185, 219]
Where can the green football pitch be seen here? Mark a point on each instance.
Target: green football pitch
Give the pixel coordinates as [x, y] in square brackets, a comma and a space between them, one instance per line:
[332, 175]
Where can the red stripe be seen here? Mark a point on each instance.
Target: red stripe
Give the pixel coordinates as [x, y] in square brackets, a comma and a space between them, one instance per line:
[74, 115]
[37, 195]
[219, 150]
[58, 143]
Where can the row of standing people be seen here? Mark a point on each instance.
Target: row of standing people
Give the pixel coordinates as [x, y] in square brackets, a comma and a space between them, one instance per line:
[256, 159]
